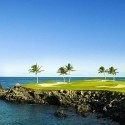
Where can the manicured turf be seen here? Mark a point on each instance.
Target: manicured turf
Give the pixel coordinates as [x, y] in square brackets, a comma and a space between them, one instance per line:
[80, 85]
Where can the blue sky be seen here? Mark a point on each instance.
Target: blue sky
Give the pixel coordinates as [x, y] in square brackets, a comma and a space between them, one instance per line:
[85, 33]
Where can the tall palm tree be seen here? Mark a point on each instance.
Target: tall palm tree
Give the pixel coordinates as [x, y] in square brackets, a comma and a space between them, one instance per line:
[62, 71]
[69, 68]
[113, 72]
[102, 70]
[36, 69]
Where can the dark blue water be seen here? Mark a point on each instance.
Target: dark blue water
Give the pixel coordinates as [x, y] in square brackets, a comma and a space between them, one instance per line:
[26, 114]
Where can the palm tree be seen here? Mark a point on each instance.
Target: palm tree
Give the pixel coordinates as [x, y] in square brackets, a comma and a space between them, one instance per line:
[36, 69]
[69, 68]
[113, 72]
[62, 71]
[102, 70]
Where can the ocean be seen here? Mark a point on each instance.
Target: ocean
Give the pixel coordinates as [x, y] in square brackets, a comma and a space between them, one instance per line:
[32, 114]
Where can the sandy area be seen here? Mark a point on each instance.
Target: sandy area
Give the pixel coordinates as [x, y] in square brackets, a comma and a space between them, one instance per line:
[47, 85]
[118, 86]
[103, 80]
[102, 86]
[51, 84]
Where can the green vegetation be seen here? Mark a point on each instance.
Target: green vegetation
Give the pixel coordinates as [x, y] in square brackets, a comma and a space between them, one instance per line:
[103, 70]
[69, 68]
[36, 69]
[109, 85]
[66, 70]
[113, 72]
[62, 71]
[81, 85]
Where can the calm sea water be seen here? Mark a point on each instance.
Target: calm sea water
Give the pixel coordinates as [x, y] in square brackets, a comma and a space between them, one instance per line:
[26, 114]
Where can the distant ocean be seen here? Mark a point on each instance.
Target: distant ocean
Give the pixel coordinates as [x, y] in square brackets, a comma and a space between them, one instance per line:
[29, 114]
[7, 82]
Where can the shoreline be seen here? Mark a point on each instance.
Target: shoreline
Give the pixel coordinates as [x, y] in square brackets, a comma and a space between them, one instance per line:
[109, 104]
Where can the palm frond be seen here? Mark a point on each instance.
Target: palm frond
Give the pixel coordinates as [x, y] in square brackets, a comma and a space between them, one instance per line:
[35, 69]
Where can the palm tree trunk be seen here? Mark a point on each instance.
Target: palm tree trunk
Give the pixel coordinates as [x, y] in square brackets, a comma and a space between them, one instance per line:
[69, 77]
[104, 75]
[37, 78]
[64, 78]
[113, 77]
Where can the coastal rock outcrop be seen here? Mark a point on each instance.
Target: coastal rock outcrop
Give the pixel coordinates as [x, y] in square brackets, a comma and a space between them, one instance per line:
[1, 87]
[110, 104]
[83, 109]
[60, 114]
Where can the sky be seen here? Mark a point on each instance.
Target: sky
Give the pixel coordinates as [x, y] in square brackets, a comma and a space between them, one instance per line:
[52, 33]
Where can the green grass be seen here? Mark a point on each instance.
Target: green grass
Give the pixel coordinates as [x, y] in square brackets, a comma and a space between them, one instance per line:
[80, 85]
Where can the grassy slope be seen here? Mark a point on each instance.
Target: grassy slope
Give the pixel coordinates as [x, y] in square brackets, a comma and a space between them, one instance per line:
[81, 85]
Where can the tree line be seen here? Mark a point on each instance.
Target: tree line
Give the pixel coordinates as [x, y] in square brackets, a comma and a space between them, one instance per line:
[111, 71]
[67, 69]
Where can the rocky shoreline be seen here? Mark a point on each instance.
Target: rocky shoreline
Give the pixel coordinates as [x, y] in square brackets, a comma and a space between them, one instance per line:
[109, 104]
